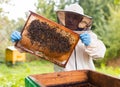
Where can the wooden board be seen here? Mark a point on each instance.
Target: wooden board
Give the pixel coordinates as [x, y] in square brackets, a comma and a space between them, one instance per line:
[103, 80]
[60, 78]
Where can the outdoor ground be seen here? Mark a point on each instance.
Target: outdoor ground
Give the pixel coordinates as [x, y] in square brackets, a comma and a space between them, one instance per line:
[13, 76]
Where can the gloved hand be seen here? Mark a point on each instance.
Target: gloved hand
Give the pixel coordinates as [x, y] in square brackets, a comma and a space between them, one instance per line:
[15, 36]
[85, 38]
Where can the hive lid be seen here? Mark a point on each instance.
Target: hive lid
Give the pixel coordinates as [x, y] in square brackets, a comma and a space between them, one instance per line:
[47, 39]
[11, 48]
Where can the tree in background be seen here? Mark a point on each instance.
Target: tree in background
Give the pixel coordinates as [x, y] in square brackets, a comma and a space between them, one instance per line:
[113, 34]
[46, 8]
[1, 9]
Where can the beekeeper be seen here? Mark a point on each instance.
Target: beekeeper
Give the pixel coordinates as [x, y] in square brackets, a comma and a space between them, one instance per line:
[87, 49]
[89, 46]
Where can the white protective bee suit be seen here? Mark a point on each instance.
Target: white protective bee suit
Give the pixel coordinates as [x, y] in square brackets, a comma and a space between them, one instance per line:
[83, 56]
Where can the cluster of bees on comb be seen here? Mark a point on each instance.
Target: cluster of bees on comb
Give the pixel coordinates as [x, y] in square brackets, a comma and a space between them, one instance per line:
[48, 37]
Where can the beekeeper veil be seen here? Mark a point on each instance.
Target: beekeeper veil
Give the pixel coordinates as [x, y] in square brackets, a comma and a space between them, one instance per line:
[73, 18]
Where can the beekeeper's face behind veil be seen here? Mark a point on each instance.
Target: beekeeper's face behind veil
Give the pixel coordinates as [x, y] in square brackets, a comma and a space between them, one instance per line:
[73, 18]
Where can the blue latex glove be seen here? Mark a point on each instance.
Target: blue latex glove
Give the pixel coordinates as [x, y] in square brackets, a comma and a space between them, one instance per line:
[85, 38]
[15, 36]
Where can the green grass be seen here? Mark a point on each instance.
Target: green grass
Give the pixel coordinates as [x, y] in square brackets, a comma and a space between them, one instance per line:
[13, 76]
[112, 71]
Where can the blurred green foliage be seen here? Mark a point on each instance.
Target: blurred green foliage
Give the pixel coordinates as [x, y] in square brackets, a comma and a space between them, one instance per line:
[112, 36]
[46, 8]
[117, 2]
[109, 70]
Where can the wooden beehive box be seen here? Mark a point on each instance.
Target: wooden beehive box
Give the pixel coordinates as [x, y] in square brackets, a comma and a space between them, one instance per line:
[13, 55]
[47, 39]
[79, 78]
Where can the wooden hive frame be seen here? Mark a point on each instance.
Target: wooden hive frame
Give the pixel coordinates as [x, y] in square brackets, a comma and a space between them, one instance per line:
[59, 51]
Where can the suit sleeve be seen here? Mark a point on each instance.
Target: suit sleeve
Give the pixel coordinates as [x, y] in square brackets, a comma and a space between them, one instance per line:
[96, 49]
